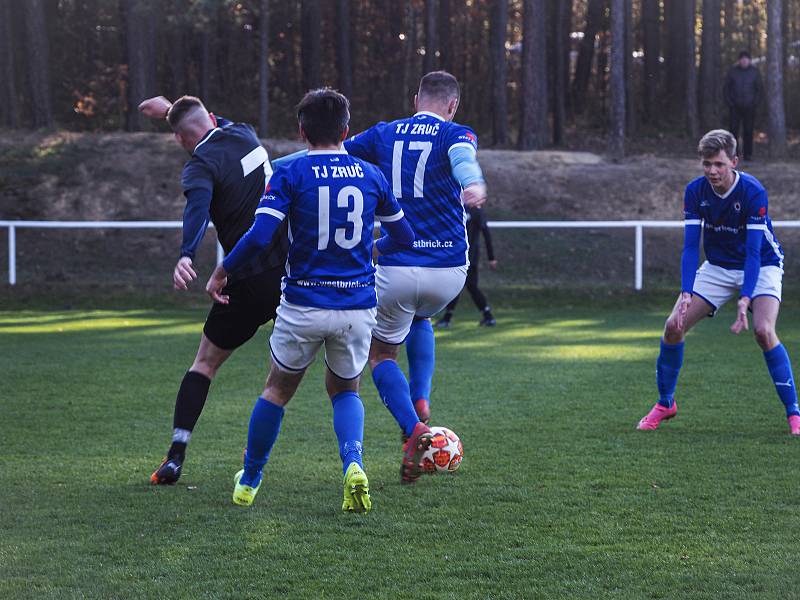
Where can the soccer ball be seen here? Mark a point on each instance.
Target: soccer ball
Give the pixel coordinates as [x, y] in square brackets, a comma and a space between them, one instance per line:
[445, 453]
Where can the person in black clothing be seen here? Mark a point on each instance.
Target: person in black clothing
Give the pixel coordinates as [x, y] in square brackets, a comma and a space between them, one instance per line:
[476, 225]
[742, 92]
[223, 182]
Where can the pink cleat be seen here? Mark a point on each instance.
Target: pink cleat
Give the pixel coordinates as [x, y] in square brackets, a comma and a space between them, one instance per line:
[659, 413]
[794, 424]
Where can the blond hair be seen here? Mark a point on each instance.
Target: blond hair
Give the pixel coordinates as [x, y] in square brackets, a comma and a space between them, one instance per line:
[716, 141]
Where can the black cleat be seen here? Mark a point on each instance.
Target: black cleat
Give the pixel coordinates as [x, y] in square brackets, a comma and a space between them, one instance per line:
[488, 321]
[168, 472]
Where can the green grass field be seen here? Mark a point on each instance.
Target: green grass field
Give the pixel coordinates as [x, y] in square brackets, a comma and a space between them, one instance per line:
[558, 495]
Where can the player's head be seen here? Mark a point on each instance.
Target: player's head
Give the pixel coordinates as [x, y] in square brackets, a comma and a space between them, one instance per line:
[744, 59]
[324, 117]
[717, 150]
[190, 121]
[439, 92]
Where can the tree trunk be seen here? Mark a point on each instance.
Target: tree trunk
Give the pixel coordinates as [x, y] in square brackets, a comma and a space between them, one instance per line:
[176, 58]
[533, 121]
[583, 67]
[38, 52]
[731, 27]
[710, 65]
[561, 26]
[409, 68]
[310, 44]
[9, 104]
[140, 35]
[630, 89]
[343, 57]
[263, 68]
[445, 49]
[616, 133]
[776, 110]
[690, 68]
[675, 55]
[651, 16]
[431, 44]
[497, 53]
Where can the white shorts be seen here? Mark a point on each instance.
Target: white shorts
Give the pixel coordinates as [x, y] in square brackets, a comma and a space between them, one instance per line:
[716, 285]
[299, 332]
[404, 292]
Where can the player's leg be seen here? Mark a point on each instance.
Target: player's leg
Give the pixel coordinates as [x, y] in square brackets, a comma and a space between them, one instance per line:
[346, 352]
[421, 353]
[670, 360]
[765, 315]
[295, 340]
[263, 430]
[487, 319]
[254, 301]
[444, 322]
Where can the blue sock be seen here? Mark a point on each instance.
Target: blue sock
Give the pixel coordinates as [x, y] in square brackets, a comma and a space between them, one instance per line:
[348, 423]
[668, 366]
[780, 369]
[393, 389]
[420, 346]
[265, 424]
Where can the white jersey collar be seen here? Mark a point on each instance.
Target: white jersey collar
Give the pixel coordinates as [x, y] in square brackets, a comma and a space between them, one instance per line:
[206, 137]
[730, 190]
[318, 152]
[429, 114]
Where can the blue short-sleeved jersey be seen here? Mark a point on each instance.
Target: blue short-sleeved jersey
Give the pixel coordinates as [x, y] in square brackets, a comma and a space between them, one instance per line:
[331, 200]
[413, 155]
[726, 219]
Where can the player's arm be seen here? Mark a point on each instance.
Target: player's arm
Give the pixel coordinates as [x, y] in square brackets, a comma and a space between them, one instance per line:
[156, 107]
[399, 234]
[197, 182]
[362, 145]
[756, 226]
[487, 238]
[289, 158]
[692, 228]
[270, 214]
[463, 155]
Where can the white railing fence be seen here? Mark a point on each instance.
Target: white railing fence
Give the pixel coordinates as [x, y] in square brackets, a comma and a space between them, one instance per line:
[637, 226]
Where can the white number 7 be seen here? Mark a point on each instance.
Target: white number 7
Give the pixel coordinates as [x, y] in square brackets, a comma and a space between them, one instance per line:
[419, 174]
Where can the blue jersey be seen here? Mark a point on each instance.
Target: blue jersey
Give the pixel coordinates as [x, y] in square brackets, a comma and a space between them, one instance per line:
[331, 200]
[726, 219]
[413, 154]
[224, 181]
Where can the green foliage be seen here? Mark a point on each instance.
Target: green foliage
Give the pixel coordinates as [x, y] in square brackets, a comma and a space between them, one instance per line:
[558, 496]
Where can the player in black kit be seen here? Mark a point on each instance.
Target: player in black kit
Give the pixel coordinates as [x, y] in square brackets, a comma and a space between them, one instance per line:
[476, 225]
[223, 182]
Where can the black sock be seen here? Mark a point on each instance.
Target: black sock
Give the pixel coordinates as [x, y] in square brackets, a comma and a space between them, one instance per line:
[487, 312]
[447, 315]
[188, 405]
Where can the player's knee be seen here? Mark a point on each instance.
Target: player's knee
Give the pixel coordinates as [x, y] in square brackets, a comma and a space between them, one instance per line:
[765, 335]
[672, 333]
[206, 367]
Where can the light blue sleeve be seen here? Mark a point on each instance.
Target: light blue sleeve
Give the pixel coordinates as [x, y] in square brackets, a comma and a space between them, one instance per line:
[285, 160]
[464, 163]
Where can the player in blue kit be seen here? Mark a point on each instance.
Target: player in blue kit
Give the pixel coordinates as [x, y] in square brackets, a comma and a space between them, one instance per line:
[432, 165]
[331, 200]
[222, 182]
[743, 256]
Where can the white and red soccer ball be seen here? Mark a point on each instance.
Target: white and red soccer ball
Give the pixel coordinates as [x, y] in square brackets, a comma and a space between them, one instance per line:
[445, 453]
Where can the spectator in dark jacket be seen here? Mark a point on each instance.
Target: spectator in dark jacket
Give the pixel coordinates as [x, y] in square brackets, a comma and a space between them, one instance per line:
[742, 93]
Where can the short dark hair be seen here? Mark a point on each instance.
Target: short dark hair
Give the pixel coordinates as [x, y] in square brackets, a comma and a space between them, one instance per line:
[744, 54]
[440, 85]
[181, 107]
[324, 115]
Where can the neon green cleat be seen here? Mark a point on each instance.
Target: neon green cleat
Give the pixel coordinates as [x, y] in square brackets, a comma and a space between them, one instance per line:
[356, 490]
[243, 495]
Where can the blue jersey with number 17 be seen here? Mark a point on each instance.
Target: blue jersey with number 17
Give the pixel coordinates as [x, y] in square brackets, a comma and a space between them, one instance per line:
[332, 201]
[413, 154]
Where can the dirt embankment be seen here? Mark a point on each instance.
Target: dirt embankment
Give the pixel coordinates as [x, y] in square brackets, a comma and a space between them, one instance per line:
[137, 176]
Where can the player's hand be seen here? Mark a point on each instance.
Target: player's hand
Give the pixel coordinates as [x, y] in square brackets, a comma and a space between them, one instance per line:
[740, 324]
[183, 274]
[217, 281]
[683, 308]
[492, 265]
[155, 108]
[474, 195]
